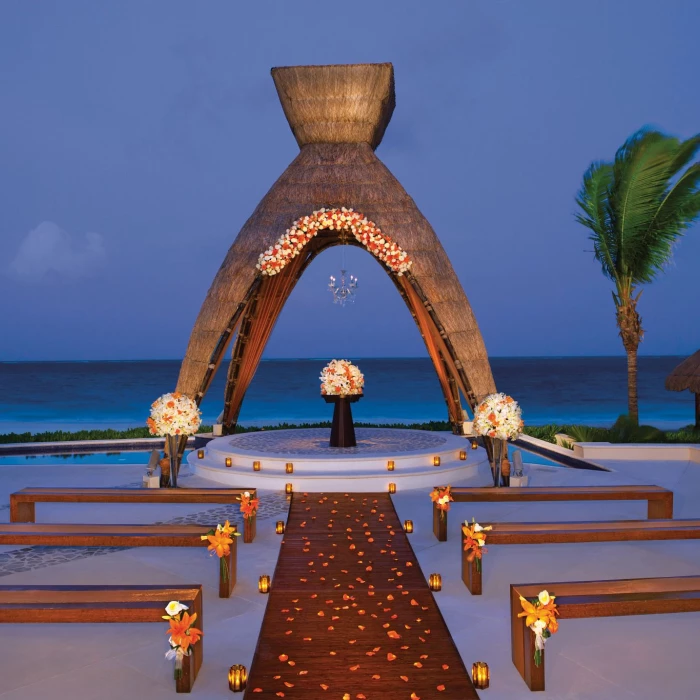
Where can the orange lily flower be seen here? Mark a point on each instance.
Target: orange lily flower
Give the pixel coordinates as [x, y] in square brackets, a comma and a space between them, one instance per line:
[547, 613]
[219, 542]
[182, 633]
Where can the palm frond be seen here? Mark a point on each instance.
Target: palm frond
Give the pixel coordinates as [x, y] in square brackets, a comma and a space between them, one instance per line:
[592, 199]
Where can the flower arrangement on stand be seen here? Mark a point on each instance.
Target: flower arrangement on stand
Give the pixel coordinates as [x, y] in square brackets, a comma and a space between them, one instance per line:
[499, 418]
[475, 539]
[182, 633]
[441, 497]
[174, 415]
[341, 378]
[288, 246]
[249, 510]
[541, 617]
[220, 541]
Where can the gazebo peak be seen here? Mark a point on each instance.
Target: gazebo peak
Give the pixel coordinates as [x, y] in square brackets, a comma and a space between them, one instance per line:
[337, 104]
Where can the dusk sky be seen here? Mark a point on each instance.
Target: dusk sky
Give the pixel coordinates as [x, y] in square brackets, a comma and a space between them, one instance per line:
[137, 137]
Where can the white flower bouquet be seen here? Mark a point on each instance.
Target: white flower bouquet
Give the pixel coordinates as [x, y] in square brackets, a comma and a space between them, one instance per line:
[341, 378]
[174, 414]
[498, 416]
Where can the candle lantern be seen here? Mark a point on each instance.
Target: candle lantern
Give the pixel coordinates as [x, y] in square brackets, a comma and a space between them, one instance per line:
[436, 461]
[288, 489]
[408, 526]
[480, 675]
[264, 584]
[462, 455]
[256, 466]
[475, 444]
[390, 465]
[200, 454]
[392, 488]
[228, 462]
[237, 678]
[289, 467]
[279, 527]
[435, 582]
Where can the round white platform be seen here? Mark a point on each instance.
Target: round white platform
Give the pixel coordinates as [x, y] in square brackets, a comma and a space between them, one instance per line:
[318, 467]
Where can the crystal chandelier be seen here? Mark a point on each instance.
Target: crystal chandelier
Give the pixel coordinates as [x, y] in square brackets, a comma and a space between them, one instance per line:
[343, 292]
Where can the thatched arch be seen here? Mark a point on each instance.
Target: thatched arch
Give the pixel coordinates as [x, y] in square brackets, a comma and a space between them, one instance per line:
[338, 115]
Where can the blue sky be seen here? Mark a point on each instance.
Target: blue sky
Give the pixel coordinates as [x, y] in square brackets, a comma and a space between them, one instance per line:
[137, 137]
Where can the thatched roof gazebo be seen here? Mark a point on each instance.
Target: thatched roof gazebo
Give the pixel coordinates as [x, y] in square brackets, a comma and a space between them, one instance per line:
[687, 376]
[335, 191]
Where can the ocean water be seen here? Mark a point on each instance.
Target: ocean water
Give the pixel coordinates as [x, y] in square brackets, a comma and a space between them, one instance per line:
[36, 396]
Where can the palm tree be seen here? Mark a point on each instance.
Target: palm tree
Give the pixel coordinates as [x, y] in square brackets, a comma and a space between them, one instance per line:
[636, 208]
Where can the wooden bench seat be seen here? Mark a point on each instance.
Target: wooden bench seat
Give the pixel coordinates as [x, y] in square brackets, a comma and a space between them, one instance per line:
[581, 599]
[73, 535]
[659, 500]
[59, 604]
[594, 531]
[23, 503]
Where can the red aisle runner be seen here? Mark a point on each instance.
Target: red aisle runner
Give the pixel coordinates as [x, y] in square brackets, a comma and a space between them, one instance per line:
[350, 614]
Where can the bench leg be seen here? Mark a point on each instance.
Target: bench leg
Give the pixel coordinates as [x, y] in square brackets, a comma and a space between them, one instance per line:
[228, 564]
[440, 524]
[249, 526]
[660, 508]
[22, 511]
[523, 648]
[470, 575]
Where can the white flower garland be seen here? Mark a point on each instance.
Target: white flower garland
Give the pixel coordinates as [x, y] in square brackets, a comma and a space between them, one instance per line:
[174, 414]
[288, 246]
[498, 416]
[340, 377]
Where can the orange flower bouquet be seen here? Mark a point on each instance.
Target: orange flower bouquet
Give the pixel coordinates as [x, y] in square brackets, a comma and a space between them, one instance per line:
[220, 544]
[475, 539]
[441, 498]
[541, 617]
[249, 506]
[183, 633]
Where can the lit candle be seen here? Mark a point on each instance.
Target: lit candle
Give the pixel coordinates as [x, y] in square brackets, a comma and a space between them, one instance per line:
[256, 466]
[408, 526]
[289, 467]
[200, 454]
[390, 465]
[475, 444]
[392, 488]
[435, 582]
[288, 489]
[264, 584]
[279, 527]
[228, 462]
[237, 678]
[436, 461]
[480, 675]
[462, 455]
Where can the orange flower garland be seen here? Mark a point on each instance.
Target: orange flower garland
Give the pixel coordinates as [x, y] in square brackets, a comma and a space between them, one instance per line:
[288, 246]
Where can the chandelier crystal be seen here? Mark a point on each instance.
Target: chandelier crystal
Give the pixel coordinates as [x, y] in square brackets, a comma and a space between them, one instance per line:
[344, 291]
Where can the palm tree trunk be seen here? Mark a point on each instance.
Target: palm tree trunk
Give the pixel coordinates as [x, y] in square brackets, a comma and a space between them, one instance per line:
[632, 402]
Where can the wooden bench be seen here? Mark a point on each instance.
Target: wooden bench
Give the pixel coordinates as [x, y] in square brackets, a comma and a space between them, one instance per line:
[595, 531]
[645, 596]
[70, 535]
[58, 604]
[659, 500]
[23, 503]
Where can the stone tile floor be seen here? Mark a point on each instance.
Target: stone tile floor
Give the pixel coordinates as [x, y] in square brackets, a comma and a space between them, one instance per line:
[608, 658]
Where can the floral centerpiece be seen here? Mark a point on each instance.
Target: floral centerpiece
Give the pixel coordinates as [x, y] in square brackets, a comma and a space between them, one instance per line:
[220, 542]
[541, 617]
[441, 498]
[249, 506]
[498, 417]
[341, 378]
[182, 633]
[174, 415]
[289, 245]
[474, 541]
